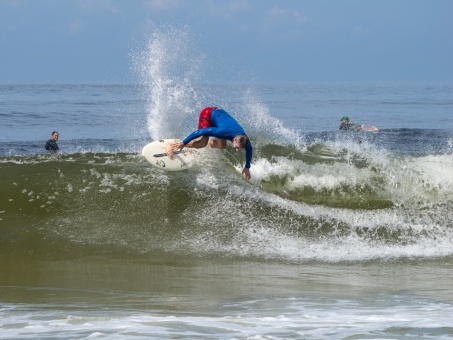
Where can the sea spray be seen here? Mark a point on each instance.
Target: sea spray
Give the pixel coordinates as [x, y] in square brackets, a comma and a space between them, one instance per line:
[167, 67]
[261, 122]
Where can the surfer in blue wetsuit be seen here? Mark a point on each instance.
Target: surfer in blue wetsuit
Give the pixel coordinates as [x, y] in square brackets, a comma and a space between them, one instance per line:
[216, 122]
[51, 144]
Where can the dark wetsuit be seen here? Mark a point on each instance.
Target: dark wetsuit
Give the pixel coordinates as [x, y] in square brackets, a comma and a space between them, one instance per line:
[51, 145]
[347, 126]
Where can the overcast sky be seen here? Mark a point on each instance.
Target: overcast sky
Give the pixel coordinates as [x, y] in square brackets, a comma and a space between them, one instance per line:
[278, 40]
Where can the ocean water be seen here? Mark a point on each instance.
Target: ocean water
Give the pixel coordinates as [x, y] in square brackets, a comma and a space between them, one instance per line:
[340, 235]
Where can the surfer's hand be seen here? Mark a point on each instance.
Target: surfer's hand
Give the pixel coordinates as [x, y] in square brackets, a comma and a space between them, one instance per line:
[177, 145]
[246, 173]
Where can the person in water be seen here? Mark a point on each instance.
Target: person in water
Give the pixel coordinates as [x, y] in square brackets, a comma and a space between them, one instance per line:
[216, 122]
[346, 125]
[51, 144]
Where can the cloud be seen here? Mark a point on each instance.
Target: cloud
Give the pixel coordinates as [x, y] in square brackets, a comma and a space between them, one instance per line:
[13, 3]
[95, 5]
[360, 31]
[228, 9]
[282, 24]
[165, 5]
[91, 6]
[76, 26]
[279, 14]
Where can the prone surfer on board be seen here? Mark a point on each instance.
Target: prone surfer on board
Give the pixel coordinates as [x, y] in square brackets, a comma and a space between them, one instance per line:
[216, 122]
[346, 125]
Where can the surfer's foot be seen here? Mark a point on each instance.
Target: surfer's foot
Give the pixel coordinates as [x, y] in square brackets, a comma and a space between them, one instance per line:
[170, 150]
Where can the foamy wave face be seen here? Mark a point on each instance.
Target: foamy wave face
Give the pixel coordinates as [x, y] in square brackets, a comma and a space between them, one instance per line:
[167, 68]
[211, 210]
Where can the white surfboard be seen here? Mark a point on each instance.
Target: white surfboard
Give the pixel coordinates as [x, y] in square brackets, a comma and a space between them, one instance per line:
[156, 154]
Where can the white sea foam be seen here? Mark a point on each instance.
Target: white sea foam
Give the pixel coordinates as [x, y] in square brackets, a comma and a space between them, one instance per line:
[392, 316]
[417, 226]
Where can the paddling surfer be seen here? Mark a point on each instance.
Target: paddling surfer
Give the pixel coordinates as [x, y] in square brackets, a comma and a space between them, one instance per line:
[346, 125]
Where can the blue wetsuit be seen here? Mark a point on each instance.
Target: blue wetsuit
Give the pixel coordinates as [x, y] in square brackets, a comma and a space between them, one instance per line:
[223, 126]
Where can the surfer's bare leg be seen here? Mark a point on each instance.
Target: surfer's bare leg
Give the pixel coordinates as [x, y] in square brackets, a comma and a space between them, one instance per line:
[198, 143]
[218, 143]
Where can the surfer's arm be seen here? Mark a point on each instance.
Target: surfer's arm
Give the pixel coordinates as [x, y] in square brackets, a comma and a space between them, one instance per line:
[248, 159]
[196, 134]
[248, 154]
[208, 132]
[188, 142]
